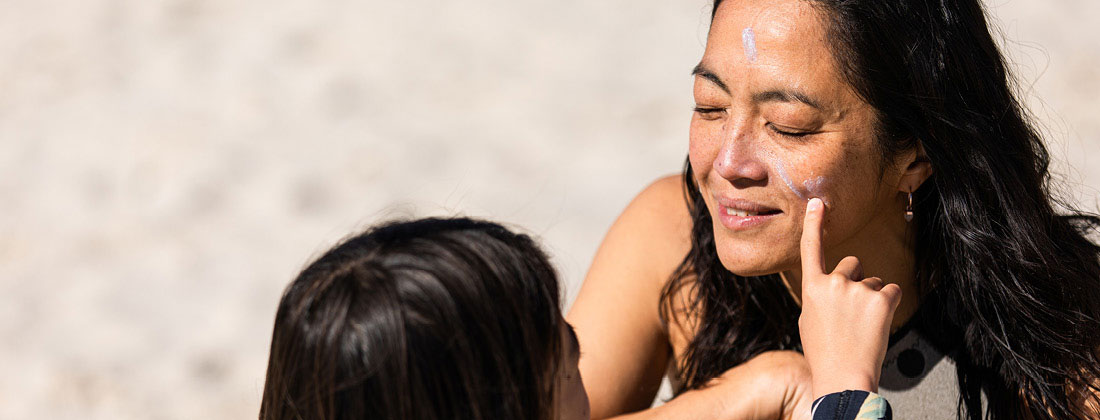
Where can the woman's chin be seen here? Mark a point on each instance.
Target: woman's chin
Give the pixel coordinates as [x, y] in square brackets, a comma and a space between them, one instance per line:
[751, 272]
[753, 263]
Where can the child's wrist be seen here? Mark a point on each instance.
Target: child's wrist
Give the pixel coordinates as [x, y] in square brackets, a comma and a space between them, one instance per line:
[830, 383]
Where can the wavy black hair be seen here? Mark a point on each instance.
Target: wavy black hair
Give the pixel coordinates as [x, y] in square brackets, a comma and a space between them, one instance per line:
[1020, 279]
[427, 319]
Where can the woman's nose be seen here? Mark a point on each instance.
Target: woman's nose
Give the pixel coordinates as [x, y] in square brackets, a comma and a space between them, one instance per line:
[737, 159]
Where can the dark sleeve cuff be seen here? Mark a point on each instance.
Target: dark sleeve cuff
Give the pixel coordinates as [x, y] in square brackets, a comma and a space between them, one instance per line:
[851, 405]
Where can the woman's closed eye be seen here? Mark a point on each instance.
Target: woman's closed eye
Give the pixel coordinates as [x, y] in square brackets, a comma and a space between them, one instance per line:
[788, 132]
[709, 113]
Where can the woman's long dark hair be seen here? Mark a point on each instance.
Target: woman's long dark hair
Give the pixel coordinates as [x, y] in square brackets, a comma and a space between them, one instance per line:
[430, 319]
[1021, 281]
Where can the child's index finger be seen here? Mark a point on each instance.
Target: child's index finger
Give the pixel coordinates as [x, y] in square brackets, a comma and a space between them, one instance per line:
[812, 254]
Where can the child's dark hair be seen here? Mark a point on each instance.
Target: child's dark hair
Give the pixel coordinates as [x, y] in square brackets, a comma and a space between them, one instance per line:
[428, 319]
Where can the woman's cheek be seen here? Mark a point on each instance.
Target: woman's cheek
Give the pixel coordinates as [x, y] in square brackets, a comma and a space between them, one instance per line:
[701, 154]
[804, 185]
[816, 186]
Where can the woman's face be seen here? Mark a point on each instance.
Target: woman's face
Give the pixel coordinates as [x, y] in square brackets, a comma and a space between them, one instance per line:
[775, 125]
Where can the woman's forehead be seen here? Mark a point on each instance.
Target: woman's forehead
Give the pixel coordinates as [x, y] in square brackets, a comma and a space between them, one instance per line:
[774, 45]
[776, 17]
[767, 33]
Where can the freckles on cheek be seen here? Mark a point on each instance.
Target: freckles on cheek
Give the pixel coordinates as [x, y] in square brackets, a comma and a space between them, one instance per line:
[701, 155]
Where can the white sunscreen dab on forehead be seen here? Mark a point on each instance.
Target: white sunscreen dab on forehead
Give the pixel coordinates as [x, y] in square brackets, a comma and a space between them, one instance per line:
[748, 41]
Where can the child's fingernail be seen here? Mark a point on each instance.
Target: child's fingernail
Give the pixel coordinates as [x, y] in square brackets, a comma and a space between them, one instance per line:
[815, 203]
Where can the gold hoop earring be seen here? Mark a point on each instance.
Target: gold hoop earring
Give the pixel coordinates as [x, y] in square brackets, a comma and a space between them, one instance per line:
[909, 208]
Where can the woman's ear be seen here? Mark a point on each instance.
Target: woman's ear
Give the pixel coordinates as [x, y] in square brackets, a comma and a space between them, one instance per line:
[917, 169]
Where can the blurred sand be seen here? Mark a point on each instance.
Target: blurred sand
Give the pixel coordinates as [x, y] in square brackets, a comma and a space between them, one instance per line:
[168, 166]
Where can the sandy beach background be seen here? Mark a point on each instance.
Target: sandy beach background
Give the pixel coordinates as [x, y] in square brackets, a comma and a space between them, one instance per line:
[166, 167]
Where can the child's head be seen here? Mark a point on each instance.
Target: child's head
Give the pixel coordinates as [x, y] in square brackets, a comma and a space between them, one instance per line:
[429, 319]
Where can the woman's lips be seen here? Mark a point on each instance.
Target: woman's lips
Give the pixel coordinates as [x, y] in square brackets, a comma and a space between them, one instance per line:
[734, 222]
[740, 214]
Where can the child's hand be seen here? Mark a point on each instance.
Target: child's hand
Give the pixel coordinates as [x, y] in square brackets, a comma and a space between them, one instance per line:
[846, 318]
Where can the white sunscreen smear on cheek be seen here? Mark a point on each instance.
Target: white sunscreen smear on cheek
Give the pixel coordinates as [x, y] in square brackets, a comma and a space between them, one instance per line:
[811, 188]
[748, 41]
[781, 170]
[814, 187]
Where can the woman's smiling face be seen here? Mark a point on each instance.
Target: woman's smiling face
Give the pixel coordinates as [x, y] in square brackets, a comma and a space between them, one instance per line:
[775, 125]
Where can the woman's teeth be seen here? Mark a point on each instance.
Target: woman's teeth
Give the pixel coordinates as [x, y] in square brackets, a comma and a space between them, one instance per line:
[739, 213]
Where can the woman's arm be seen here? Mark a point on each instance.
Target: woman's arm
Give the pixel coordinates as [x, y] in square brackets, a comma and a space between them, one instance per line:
[771, 386]
[624, 345]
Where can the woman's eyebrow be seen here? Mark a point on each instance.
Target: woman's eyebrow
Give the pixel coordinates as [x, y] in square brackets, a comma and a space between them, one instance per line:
[785, 95]
[775, 95]
[701, 71]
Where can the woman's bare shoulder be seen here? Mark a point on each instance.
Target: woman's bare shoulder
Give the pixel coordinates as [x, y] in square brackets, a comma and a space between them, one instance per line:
[666, 195]
[657, 225]
[639, 254]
